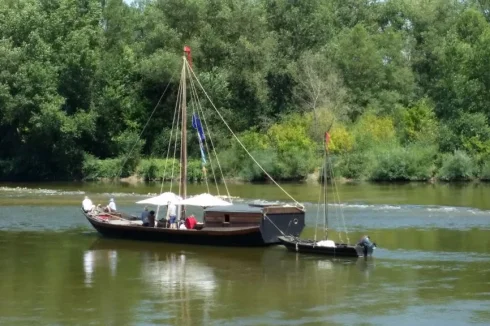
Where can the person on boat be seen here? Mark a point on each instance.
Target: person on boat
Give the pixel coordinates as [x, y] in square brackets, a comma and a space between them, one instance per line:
[151, 219]
[144, 216]
[190, 222]
[172, 215]
[99, 208]
[87, 205]
[182, 224]
[112, 206]
[367, 245]
[162, 223]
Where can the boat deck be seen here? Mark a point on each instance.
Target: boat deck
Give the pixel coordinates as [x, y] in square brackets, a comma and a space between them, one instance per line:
[205, 228]
[228, 228]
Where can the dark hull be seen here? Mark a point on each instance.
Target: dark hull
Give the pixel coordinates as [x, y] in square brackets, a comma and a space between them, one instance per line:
[245, 236]
[308, 246]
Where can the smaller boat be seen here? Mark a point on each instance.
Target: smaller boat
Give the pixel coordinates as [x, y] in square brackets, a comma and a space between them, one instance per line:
[326, 247]
[364, 247]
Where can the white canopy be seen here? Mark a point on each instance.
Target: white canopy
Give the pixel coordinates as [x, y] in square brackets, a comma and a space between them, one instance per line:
[162, 199]
[204, 200]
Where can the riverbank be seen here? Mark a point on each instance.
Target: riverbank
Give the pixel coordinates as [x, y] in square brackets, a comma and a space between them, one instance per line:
[457, 167]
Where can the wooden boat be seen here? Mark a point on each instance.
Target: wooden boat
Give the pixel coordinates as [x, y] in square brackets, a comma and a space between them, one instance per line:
[326, 246]
[295, 244]
[235, 225]
[230, 225]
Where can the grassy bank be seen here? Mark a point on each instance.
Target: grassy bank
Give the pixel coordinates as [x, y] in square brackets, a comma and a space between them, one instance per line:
[378, 148]
[409, 164]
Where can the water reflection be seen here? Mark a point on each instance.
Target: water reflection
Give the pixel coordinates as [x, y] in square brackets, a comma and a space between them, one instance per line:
[174, 272]
[82, 279]
[88, 267]
[93, 258]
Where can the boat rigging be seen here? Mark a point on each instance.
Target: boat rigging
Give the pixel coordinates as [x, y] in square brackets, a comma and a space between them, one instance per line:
[223, 223]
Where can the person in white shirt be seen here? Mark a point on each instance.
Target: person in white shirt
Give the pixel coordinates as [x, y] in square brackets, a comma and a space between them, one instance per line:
[112, 205]
[87, 205]
[172, 215]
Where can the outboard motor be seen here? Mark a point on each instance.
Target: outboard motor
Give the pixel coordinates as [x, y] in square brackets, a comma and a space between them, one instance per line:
[367, 245]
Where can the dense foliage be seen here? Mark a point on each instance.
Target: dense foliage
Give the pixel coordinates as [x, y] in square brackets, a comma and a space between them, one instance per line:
[405, 81]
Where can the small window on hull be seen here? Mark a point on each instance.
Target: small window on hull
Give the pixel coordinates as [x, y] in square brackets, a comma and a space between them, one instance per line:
[227, 218]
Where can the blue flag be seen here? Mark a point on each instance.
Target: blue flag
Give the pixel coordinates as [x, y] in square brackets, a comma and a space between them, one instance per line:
[196, 124]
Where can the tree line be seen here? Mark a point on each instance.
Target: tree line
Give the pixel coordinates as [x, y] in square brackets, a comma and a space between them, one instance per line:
[405, 82]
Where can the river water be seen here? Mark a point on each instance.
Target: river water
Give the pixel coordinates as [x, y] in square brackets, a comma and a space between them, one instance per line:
[432, 266]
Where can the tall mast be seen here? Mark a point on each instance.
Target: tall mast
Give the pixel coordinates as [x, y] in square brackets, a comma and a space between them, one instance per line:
[183, 128]
[325, 180]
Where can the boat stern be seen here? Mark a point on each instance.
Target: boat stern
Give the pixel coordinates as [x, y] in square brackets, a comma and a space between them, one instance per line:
[280, 221]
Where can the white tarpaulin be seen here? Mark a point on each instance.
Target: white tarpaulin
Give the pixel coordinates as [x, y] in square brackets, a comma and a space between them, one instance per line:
[204, 200]
[162, 199]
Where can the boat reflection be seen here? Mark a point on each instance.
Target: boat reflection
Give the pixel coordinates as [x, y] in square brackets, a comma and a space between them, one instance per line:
[184, 282]
[171, 264]
[93, 258]
[172, 271]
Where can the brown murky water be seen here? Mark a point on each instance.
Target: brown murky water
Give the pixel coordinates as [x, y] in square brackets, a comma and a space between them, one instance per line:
[432, 267]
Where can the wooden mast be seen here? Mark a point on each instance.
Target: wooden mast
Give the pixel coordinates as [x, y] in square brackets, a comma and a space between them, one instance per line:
[183, 128]
[325, 196]
[325, 182]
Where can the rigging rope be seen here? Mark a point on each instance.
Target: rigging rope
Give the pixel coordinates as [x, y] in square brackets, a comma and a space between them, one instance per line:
[176, 111]
[318, 208]
[341, 211]
[210, 137]
[241, 144]
[197, 104]
[321, 193]
[329, 169]
[144, 128]
[194, 91]
[338, 211]
[200, 141]
[267, 217]
[325, 189]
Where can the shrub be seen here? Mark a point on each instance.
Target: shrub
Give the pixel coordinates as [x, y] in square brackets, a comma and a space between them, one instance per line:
[158, 169]
[194, 171]
[295, 164]
[370, 131]
[353, 165]
[93, 168]
[90, 167]
[267, 158]
[129, 147]
[402, 164]
[485, 171]
[6, 168]
[469, 132]
[341, 141]
[163, 170]
[148, 170]
[457, 167]
[418, 123]
[290, 134]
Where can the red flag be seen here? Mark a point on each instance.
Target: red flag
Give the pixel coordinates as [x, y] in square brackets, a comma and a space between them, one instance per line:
[187, 51]
[327, 139]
